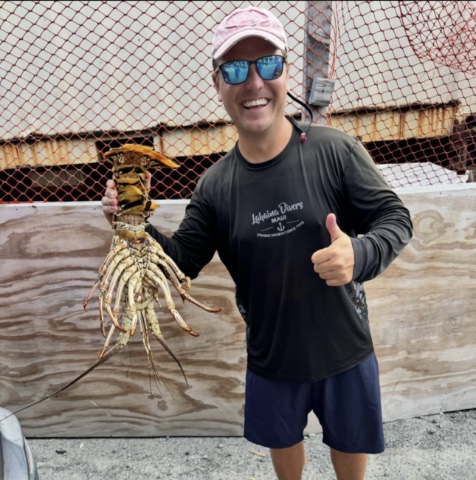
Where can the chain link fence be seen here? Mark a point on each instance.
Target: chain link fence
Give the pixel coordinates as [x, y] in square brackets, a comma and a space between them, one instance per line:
[78, 78]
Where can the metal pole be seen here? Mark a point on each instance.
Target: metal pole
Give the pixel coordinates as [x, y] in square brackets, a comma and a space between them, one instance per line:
[317, 43]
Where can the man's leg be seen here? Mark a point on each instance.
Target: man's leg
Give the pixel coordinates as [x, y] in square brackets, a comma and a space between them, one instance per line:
[288, 463]
[349, 408]
[275, 417]
[349, 466]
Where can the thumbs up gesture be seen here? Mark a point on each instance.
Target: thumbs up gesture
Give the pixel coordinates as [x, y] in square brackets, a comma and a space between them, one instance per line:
[335, 264]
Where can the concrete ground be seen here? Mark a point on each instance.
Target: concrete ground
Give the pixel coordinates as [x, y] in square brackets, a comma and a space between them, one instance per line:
[436, 447]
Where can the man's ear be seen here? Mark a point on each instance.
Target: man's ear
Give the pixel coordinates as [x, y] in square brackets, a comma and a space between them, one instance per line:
[216, 85]
[287, 79]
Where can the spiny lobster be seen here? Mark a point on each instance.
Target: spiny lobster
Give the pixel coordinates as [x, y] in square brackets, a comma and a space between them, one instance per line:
[137, 268]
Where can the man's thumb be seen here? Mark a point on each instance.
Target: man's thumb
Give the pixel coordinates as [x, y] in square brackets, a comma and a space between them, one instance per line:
[331, 224]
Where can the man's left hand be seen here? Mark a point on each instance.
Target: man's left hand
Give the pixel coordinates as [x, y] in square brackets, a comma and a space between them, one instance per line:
[335, 264]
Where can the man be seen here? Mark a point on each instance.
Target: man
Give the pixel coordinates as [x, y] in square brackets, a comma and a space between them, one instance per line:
[300, 220]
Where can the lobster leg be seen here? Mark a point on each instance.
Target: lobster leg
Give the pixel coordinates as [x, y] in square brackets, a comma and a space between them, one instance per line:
[127, 264]
[159, 256]
[128, 273]
[102, 269]
[169, 301]
[181, 291]
[153, 323]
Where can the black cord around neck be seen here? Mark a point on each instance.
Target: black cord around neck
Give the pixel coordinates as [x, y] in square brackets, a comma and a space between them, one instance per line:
[303, 134]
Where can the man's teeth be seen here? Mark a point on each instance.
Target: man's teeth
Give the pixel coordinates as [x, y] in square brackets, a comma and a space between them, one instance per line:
[255, 103]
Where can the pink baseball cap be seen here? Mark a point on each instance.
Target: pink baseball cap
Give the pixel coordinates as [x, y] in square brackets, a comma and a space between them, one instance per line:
[244, 23]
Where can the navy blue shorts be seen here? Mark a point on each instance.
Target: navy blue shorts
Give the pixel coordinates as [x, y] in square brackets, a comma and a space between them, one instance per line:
[347, 406]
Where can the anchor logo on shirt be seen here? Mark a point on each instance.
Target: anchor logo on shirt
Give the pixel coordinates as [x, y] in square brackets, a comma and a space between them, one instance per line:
[281, 227]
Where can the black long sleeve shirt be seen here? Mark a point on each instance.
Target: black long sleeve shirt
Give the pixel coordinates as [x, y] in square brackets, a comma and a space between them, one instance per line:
[266, 220]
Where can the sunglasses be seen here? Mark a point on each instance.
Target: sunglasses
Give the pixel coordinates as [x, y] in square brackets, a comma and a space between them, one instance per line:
[238, 71]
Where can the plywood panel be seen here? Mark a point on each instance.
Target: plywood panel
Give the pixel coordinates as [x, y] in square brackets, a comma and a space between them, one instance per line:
[50, 256]
[422, 317]
[423, 309]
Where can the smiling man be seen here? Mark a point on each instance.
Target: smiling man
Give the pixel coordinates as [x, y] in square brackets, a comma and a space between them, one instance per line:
[300, 219]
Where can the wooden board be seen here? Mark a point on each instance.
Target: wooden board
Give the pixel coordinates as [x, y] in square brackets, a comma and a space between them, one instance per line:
[422, 317]
[423, 309]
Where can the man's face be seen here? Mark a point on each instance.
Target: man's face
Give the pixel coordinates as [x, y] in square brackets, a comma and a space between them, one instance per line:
[255, 106]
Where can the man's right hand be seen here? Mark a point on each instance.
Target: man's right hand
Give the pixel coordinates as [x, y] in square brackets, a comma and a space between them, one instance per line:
[109, 201]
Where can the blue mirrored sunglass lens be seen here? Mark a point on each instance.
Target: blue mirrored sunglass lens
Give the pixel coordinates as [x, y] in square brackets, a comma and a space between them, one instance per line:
[235, 72]
[270, 68]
